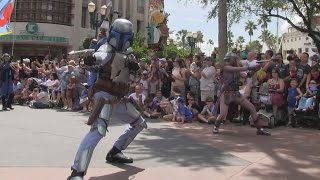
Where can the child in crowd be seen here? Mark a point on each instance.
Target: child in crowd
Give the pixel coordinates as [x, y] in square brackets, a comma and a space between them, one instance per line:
[183, 113]
[294, 94]
[207, 114]
[40, 99]
[154, 110]
[84, 100]
[307, 101]
[192, 105]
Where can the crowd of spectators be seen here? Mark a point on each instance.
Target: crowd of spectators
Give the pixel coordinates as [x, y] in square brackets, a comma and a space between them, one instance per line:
[181, 90]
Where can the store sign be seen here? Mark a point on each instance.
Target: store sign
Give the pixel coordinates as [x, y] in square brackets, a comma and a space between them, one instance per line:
[32, 28]
[33, 38]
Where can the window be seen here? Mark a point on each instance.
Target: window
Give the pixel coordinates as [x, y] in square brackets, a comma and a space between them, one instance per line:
[54, 12]
[84, 17]
[140, 5]
[307, 50]
[299, 50]
[292, 40]
[307, 38]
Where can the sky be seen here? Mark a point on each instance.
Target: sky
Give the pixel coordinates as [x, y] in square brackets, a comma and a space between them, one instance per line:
[193, 17]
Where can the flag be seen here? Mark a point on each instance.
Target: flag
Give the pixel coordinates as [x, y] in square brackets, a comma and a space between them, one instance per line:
[6, 7]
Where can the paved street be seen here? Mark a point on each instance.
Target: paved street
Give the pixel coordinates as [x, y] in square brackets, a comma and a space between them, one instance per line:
[41, 144]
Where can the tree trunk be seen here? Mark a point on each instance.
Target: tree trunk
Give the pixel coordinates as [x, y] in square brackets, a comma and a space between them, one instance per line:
[222, 20]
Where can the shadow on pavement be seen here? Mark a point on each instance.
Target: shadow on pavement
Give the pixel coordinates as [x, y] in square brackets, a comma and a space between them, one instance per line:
[289, 153]
[170, 147]
[127, 173]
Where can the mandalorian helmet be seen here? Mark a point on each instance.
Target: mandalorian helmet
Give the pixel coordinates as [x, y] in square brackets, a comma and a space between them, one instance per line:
[121, 35]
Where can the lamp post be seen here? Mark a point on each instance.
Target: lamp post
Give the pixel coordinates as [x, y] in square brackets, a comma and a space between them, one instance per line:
[95, 22]
[192, 37]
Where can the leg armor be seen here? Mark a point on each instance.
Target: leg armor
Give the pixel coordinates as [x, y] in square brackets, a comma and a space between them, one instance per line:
[84, 154]
[137, 124]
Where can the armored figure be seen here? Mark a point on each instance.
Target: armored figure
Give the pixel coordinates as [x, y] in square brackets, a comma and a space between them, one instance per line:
[230, 92]
[6, 82]
[115, 65]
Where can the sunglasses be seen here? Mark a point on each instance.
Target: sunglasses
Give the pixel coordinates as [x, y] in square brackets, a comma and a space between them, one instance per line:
[190, 99]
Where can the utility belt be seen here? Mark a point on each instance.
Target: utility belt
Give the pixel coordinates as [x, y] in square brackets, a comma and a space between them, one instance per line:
[118, 89]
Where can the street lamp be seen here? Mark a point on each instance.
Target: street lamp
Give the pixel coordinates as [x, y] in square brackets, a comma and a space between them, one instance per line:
[94, 17]
[192, 37]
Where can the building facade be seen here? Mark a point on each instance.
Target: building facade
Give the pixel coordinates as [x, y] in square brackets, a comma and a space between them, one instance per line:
[299, 42]
[55, 27]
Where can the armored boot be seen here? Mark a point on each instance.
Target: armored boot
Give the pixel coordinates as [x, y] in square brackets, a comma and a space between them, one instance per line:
[76, 175]
[116, 156]
[10, 101]
[4, 103]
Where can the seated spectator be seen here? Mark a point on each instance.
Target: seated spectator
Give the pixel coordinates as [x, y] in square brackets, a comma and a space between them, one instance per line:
[40, 99]
[17, 89]
[171, 107]
[192, 105]
[155, 109]
[207, 113]
[307, 101]
[138, 96]
[84, 100]
[53, 84]
[29, 88]
[183, 114]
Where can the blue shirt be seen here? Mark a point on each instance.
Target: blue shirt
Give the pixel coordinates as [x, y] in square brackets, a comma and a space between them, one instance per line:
[185, 111]
[292, 94]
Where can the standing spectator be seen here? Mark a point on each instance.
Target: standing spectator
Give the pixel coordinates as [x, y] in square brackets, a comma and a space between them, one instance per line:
[167, 79]
[144, 83]
[194, 79]
[303, 70]
[65, 85]
[154, 79]
[276, 87]
[294, 94]
[208, 80]
[179, 76]
[6, 78]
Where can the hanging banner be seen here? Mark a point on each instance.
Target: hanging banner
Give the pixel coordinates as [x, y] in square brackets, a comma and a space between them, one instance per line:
[6, 7]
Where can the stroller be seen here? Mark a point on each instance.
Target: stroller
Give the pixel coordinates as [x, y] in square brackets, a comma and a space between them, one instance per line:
[307, 113]
[264, 104]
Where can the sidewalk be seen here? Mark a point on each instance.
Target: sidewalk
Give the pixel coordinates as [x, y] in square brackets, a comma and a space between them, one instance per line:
[42, 149]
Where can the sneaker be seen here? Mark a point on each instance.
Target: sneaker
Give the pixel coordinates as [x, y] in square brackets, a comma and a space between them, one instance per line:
[215, 130]
[263, 132]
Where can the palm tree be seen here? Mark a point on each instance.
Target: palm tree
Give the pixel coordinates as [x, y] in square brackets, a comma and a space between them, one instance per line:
[240, 42]
[250, 27]
[181, 36]
[263, 21]
[223, 23]
[211, 43]
[265, 35]
[230, 40]
[199, 39]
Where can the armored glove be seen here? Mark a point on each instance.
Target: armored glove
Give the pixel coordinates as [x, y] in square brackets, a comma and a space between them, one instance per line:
[89, 60]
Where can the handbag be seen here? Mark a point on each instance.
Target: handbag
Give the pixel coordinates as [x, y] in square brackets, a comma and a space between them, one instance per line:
[266, 99]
